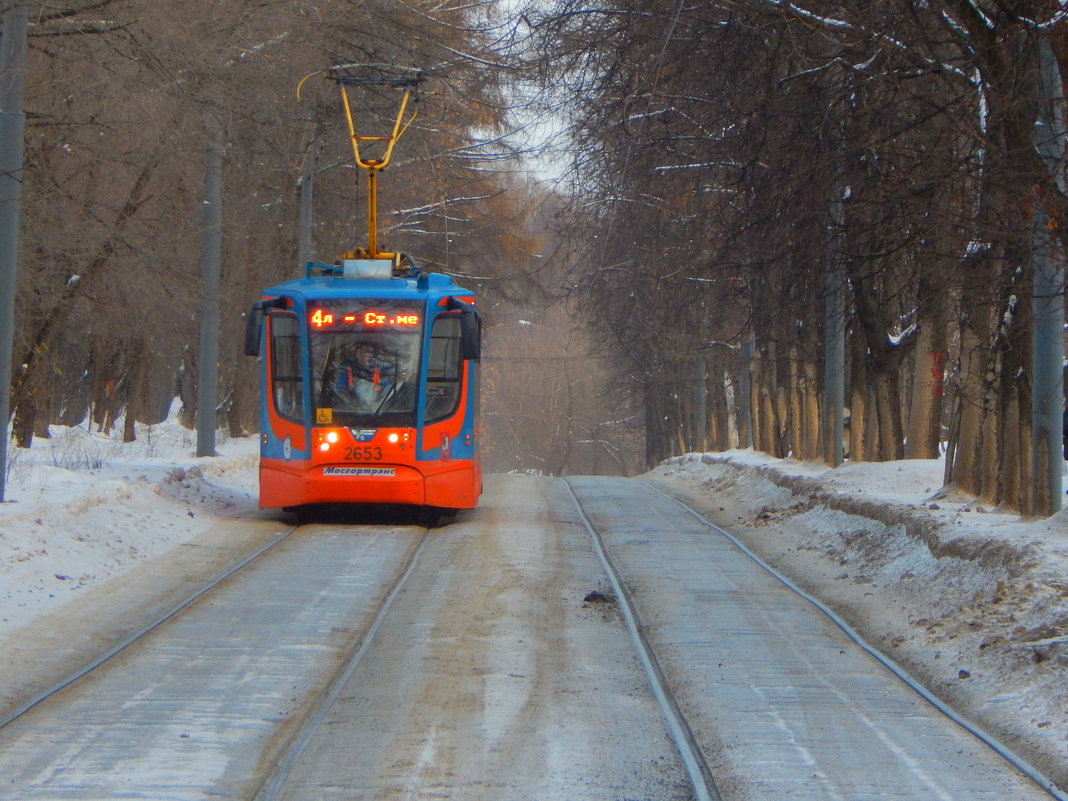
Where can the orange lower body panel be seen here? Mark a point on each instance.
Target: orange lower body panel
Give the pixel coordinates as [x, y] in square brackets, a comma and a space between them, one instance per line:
[452, 485]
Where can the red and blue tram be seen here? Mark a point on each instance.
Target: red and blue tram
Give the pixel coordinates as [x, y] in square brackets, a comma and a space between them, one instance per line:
[369, 388]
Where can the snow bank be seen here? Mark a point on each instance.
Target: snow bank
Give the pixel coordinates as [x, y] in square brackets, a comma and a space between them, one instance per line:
[84, 508]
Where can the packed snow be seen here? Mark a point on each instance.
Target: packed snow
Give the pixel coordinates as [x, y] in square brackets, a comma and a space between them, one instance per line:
[971, 600]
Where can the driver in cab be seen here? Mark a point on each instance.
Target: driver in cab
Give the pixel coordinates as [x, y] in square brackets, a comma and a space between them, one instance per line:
[363, 378]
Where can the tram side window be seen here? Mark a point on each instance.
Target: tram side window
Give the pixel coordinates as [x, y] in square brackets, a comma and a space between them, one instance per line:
[444, 373]
[288, 389]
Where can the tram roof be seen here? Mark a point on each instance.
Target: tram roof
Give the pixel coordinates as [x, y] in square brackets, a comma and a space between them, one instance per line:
[338, 287]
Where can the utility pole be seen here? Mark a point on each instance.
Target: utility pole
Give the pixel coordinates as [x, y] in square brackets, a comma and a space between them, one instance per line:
[211, 257]
[834, 347]
[12, 140]
[305, 195]
[834, 371]
[745, 392]
[1048, 300]
[306, 205]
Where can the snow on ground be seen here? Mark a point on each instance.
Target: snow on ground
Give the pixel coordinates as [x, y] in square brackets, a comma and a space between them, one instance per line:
[972, 601]
[98, 538]
[83, 508]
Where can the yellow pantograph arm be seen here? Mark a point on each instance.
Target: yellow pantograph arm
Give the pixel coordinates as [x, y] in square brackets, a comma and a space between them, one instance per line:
[398, 132]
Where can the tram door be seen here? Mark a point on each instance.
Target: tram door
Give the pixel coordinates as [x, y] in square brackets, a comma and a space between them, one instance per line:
[445, 369]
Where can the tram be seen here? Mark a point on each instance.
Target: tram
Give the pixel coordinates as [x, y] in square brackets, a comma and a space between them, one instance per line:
[369, 378]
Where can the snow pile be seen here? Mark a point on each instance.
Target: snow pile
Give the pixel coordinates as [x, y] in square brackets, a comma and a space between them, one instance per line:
[84, 508]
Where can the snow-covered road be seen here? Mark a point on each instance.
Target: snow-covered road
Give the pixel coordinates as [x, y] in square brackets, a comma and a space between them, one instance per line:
[970, 600]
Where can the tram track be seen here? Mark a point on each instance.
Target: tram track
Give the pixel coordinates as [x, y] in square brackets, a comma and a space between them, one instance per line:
[766, 681]
[697, 770]
[226, 680]
[900, 673]
[485, 677]
[141, 632]
[427, 652]
[281, 764]
[334, 661]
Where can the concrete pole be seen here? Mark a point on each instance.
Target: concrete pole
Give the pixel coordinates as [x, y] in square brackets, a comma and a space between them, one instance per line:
[12, 141]
[745, 392]
[834, 371]
[211, 256]
[1048, 301]
[700, 403]
[834, 324]
[306, 208]
[306, 193]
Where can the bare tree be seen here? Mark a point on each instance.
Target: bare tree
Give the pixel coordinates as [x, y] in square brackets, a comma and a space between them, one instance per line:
[118, 98]
[913, 120]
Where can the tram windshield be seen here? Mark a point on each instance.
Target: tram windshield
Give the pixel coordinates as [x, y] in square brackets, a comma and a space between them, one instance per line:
[365, 360]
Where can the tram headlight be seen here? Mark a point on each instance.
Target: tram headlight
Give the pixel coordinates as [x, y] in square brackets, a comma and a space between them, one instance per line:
[394, 437]
[328, 438]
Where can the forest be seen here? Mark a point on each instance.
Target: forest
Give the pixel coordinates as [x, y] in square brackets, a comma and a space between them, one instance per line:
[826, 230]
[771, 197]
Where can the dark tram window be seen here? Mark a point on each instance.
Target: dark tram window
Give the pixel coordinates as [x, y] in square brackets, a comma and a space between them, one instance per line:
[288, 385]
[365, 360]
[444, 370]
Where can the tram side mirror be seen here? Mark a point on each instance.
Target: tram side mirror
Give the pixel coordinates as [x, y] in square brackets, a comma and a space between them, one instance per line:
[471, 335]
[253, 330]
[254, 324]
[470, 329]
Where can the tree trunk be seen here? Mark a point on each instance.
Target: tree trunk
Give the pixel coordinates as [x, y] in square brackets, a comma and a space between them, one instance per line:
[1014, 408]
[859, 435]
[928, 377]
[782, 405]
[1007, 59]
[887, 389]
[963, 468]
[187, 389]
[22, 426]
[235, 414]
[719, 430]
[812, 414]
[766, 421]
[136, 390]
[796, 394]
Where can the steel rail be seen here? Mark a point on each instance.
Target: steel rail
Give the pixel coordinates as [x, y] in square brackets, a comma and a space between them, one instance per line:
[120, 646]
[992, 742]
[272, 786]
[704, 785]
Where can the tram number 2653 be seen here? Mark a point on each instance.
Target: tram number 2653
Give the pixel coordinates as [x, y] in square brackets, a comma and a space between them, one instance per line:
[364, 454]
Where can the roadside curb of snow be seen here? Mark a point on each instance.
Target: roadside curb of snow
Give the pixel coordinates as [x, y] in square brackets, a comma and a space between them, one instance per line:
[935, 532]
[204, 486]
[106, 493]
